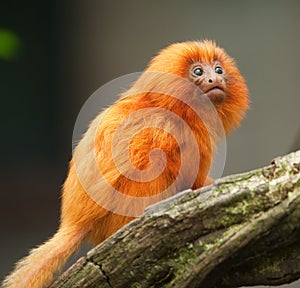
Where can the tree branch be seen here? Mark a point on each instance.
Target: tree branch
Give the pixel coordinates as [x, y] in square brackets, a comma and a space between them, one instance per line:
[244, 230]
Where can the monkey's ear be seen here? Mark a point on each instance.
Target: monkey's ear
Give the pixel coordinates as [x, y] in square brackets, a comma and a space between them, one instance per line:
[166, 84]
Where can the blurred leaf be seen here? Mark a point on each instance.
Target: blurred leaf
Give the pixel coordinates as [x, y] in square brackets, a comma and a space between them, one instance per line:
[10, 45]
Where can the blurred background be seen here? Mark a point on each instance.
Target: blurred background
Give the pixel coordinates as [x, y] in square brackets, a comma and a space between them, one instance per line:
[55, 54]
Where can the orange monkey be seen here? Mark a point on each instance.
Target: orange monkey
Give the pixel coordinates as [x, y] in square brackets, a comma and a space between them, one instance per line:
[188, 70]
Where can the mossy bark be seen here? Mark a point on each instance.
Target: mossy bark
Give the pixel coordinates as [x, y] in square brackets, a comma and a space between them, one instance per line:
[243, 230]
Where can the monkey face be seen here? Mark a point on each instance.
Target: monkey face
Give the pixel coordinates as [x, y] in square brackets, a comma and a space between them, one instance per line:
[211, 79]
[211, 69]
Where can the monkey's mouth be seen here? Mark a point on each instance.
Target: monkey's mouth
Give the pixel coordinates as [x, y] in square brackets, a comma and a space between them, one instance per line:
[216, 94]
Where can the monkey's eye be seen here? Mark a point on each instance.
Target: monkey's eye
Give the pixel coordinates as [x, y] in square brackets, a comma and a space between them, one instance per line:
[219, 70]
[198, 71]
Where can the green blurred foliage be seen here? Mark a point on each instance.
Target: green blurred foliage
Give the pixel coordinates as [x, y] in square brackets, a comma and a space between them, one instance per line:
[10, 45]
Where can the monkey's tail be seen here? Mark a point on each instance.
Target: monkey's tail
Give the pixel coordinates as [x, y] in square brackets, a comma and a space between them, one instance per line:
[37, 269]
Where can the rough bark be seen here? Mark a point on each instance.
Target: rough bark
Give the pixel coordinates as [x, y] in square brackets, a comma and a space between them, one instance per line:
[242, 231]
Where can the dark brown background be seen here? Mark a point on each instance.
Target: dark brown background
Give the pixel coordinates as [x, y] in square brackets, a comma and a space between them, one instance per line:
[71, 48]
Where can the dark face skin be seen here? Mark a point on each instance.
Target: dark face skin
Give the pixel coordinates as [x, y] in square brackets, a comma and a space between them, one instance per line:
[211, 79]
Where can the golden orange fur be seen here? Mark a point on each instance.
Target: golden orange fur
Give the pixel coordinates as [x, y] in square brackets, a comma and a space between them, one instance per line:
[81, 217]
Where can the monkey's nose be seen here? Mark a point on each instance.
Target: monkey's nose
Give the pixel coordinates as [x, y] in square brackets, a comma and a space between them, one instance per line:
[210, 80]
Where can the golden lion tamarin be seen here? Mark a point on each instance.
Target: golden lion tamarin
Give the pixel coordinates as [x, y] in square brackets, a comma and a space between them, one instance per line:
[156, 140]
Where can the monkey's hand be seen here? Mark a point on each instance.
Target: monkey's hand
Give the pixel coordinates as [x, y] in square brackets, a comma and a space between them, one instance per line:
[209, 181]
